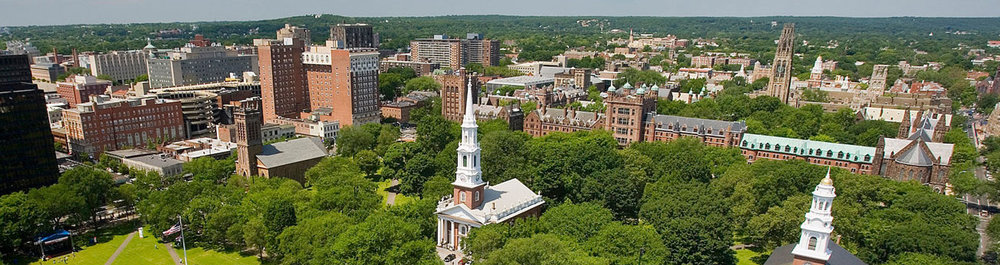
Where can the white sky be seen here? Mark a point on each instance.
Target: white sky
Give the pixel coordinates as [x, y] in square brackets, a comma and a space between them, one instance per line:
[54, 12]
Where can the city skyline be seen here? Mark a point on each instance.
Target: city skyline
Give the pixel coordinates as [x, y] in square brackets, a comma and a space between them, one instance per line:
[145, 11]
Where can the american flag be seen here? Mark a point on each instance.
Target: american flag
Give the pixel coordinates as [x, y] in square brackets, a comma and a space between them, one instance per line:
[172, 230]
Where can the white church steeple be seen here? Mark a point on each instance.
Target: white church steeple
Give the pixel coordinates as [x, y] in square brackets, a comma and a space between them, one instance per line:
[816, 229]
[468, 173]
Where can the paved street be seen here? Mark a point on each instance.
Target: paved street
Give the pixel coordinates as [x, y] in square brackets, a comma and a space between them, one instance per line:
[976, 204]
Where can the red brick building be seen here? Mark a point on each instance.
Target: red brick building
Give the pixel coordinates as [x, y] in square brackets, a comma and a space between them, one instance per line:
[345, 81]
[543, 121]
[282, 78]
[454, 89]
[625, 111]
[106, 124]
[78, 89]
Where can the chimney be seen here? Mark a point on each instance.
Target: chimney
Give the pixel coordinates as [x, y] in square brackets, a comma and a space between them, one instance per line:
[76, 58]
[55, 55]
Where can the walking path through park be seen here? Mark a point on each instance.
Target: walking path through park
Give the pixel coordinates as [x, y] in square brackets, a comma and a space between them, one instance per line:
[391, 197]
[120, 249]
[173, 254]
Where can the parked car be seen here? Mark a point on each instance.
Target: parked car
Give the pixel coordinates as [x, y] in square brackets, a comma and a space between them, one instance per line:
[449, 258]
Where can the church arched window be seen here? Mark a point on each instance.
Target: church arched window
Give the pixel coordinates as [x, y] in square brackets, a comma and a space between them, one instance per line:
[461, 196]
[476, 197]
[465, 161]
[812, 243]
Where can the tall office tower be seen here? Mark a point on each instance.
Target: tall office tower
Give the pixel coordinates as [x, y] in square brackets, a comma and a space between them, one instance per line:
[294, 32]
[454, 91]
[121, 66]
[282, 78]
[781, 69]
[27, 152]
[456, 53]
[349, 36]
[248, 136]
[343, 83]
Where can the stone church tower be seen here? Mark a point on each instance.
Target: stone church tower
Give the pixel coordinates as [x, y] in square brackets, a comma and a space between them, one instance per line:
[248, 119]
[781, 68]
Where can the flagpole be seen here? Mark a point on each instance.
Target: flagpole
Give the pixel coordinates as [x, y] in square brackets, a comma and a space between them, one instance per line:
[182, 239]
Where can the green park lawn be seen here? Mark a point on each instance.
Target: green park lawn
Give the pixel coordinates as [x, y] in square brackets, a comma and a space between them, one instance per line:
[144, 251]
[200, 256]
[400, 198]
[744, 256]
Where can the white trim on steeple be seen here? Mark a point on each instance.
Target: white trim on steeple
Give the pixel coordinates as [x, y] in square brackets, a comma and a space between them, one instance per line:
[468, 174]
[816, 229]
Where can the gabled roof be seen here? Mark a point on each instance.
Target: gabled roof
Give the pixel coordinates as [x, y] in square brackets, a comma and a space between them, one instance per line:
[291, 151]
[500, 203]
[941, 151]
[838, 256]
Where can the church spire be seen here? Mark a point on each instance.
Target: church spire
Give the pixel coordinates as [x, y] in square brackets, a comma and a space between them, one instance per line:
[468, 174]
[814, 242]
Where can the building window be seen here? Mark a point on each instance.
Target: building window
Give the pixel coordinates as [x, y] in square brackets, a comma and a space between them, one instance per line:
[812, 243]
[476, 197]
[465, 161]
[461, 196]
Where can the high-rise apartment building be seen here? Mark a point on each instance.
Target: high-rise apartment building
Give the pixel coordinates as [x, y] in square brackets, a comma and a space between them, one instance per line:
[349, 36]
[78, 89]
[121, 66]
[106, 124]
[283, 78]
[27, 153]
[454, 91]
[781, 69]
[343, 81]
[456, 53]
[195, 65]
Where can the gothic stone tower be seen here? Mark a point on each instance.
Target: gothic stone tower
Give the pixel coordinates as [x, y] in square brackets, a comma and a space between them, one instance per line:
[781, 68]
[813, 246]
[469, 183]
[248, 119]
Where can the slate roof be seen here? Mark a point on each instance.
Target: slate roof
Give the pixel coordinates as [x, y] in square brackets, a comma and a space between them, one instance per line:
[500, 203]
[941, 150]
[694, 125]
[291, 151]
[838, 256]
[581, 118]
[809, 148]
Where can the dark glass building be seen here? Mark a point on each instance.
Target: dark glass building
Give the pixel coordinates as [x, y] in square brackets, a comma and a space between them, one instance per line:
[27, 152]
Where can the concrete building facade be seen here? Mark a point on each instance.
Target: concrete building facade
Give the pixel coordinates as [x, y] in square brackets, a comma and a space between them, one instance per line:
[121, 66]
[195, 65]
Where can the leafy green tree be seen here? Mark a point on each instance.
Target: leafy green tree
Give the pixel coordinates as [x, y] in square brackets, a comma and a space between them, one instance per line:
[20, 220]
[210, 169]
[577, 222]
[423, 83]
[93, 185]
[383, 239]
[434, 132]
[919, 258]
[353, 139]
[541, 249]
[437, 187]
[621, 244]
[418, 170]
[692, 221]
[368, 162]
[780, 224]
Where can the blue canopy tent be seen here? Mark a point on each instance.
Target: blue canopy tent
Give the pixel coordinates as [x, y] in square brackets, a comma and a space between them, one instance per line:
[52, 242]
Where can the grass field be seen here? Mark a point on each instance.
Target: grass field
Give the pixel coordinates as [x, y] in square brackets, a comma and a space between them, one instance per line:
[200, 256]
[745, 256]
[400, 198]
[146, 251]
